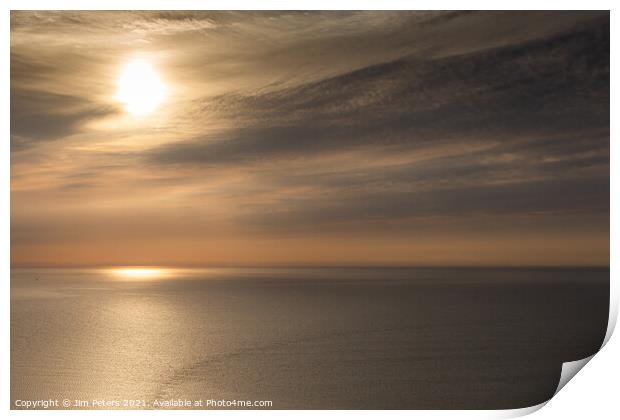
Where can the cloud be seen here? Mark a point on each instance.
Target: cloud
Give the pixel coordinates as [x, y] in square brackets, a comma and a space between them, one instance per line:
[521, 129]
[43, 116]
[546, 88]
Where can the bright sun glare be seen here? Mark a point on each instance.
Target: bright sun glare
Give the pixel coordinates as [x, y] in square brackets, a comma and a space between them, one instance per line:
[132, 272]
[140, 88]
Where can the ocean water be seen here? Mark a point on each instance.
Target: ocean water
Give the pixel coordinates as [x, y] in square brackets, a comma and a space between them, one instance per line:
[303, 338]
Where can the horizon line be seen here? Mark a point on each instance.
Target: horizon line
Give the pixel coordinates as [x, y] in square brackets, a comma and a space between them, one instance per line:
[317, 266]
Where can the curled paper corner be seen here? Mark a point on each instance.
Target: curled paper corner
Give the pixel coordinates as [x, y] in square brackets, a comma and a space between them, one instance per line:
[569, 370]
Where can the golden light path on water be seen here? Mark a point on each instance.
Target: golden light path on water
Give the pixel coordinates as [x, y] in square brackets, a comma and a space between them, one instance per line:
[154, 273]
[131, 273]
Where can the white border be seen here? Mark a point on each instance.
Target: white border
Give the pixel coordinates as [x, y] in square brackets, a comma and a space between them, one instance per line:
[592, 394]
[306, 5]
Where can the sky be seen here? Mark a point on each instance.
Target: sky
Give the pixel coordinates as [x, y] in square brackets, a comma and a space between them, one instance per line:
[311, 138]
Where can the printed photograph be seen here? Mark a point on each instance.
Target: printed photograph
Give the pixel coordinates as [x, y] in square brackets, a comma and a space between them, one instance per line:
[268, 210]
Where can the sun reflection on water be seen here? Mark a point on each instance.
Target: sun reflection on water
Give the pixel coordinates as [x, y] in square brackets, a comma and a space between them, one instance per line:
[135, 273]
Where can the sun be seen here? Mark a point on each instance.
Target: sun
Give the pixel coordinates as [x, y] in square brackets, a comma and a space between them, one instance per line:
[140, 88]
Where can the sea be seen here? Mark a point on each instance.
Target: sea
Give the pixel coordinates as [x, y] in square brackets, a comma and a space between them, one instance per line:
[299, 338]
